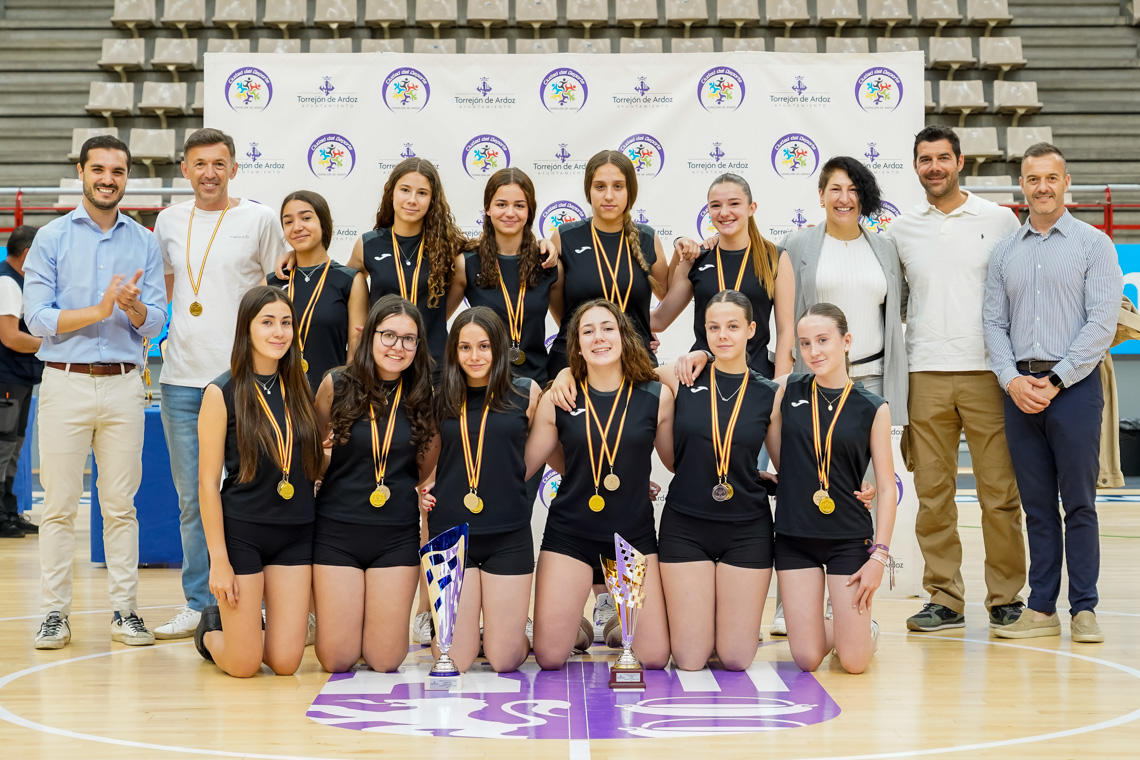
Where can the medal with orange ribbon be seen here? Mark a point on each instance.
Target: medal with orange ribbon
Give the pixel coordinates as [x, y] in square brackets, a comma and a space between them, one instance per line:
[380, 495]
[515, 355]
[196, 306]
[473, 461]
[611, 482]
[397, 257]
[284, 443]
[739, 274]
[722, 445]
[613, 291]
[823, 452]
[310, 310]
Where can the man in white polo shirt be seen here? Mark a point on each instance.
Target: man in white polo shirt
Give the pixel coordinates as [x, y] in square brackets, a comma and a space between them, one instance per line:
[214, 248]
[945, 246]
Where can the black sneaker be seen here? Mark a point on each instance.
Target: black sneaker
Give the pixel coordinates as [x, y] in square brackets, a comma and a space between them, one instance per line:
[211, 620]
[935, 617]
[10, 528]
[1004, 614]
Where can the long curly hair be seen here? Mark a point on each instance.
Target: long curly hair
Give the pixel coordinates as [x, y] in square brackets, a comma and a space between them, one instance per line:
[866, 186]
[255, 436]
[501, 391]
[443, 239]
[625, 166]
[636, 364]
[487, 248]
[765, 254]
[360, 383]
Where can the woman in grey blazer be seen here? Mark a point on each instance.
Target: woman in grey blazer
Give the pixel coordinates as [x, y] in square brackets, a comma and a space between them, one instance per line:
[835, 262]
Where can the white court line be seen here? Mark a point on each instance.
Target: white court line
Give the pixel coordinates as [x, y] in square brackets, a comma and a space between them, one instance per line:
[695, 680]
[91, 612]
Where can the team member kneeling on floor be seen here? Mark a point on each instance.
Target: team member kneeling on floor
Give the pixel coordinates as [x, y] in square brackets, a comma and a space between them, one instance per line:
[257, 422]
[824, 431]
[376, 414]
[483, 415]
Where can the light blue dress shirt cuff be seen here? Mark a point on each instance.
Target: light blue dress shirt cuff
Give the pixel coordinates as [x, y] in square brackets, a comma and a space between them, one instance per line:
[44, 323]
[1006, 376]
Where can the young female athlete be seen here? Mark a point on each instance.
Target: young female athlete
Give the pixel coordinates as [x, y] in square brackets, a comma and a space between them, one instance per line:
[257, 426]
[483, 414]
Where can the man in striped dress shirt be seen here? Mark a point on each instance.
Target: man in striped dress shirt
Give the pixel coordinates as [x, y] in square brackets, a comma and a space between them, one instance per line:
[1052, 297]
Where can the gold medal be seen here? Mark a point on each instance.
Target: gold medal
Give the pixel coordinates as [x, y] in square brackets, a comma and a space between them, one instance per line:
[824, 501]
[310, 309]
[304, 366]
[473, 462]
[379, 497]
[284, 443]
[819, 496]
[612, 482]
[285, 489]
[195, 309]
[722, 444]
[473, 502]
[516, 356]
[731, 490]
[597, 503]
[827, 505]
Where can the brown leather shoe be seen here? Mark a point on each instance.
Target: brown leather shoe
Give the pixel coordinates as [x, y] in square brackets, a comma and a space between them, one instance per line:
[1028, 628]
[1085, 629]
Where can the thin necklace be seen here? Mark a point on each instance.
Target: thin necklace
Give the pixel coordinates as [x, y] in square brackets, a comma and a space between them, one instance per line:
[730, 396]
[830, 401]
[312, 269]
[267, 386]
[400, 246]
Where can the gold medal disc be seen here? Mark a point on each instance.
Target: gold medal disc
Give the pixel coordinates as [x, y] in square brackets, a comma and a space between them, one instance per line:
[195, 309]
[516, 356]
[819, 496]
[304, 366]
[597, 503]
[827, 505]
[473, 502]
[378, 498]
[612, 482]
[731, 490]
[285, 489]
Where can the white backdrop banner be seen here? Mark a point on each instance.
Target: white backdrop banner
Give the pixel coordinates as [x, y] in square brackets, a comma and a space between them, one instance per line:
[338, 124]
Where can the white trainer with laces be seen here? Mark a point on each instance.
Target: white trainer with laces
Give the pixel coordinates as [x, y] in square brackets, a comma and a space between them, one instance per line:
[779, 627]
[311, 634]
[54, 633]
[421, 629]
[128, 628]
[603, 610]
[181, 626]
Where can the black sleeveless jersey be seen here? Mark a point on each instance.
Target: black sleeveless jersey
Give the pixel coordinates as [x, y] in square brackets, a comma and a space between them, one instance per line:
[502, 479]
[258, 501]
[380, 262]
[796, 513]
[694, 461]
[326, 345]
[628, 510]
[536, 303]
[706, 285]
[350, 478]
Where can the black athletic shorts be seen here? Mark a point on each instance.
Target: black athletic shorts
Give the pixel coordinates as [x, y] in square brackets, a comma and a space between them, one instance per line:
[252, 546]
[840, 556]
[365, 546]
[590, 550]
[684, 538]
[509, 553]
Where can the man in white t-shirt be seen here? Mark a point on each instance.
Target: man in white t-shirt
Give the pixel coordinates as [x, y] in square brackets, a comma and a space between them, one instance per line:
[214, 249]
[945, 247]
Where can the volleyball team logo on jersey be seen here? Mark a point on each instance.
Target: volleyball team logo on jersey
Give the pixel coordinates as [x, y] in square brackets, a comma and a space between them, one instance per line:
[249, 89]
[795, 155]
[406, 89]
[720, 89]
[331, 156]
[880, 221]
[563, 89]
[645, 152]
[879, 89]
[484, 155]
[557, 214]
[705, 226]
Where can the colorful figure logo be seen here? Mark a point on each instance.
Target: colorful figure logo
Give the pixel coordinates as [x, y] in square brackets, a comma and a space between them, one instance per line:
[249, 89]
[331, 156]
[563, 89]
[705, 226]
[720, 89]
[551, 479]
[646, 153]
[795, 155]
[879, 222]
[485, 154]
[879, 89]
[557, 214]
[406, 89]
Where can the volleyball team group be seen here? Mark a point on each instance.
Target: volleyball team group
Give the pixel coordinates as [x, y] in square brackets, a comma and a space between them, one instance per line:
[353, 425]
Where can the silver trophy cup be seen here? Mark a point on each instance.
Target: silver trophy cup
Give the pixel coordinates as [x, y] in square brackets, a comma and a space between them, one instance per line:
[625, 577]
[443, 559]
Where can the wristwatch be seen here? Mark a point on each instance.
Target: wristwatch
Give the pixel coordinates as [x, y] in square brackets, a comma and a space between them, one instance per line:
[1055, 379]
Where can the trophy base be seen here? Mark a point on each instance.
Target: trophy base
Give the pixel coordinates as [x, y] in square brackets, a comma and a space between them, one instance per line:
[445, 682]
[627, 679]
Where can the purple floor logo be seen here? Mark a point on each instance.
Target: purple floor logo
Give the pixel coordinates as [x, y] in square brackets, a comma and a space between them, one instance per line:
[249, 89]
[879, 89]
[575, 703]
[406, 89]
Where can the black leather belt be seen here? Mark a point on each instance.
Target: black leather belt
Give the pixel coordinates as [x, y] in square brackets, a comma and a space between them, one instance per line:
[1034, 366]
[868, 359]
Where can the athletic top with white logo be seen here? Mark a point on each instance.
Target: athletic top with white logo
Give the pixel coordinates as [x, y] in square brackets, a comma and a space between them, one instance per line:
[326, 345]
[706, 285]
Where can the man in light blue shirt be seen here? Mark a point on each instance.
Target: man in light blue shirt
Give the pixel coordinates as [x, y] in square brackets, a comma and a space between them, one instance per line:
[93, 290]
[1052, 299]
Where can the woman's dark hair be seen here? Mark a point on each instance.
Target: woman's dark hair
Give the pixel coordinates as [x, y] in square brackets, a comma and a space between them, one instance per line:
[765, 254]
[360, 383]
[453, 380]
[866, 186]
[736, 298]
[443, 239]
[255, 435]
[320, 208]
[636, 364]
[835, 314]
[625, 166]
[487, 248]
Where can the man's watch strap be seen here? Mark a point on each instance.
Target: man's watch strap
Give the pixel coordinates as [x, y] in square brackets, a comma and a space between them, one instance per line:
[1056, 380]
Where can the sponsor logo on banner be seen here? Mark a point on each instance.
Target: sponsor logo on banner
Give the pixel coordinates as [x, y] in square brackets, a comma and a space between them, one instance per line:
[475, 229]
[646, 153]
[557, 214]
[642, 96]
[640, 217]
[485, 154]
[792, 221]
[486, 96]
[327, 95]
[258, 163]
[331, 156]
[717, 160]
[563, 89]
[795, 155]
[881, 221]
[388, 163]
[720, 89]
[249, 89]
[406, 89]
[555, 162]
[347, 235]
[883, 165]
[800, 94]
[705, 226]
[879, 89]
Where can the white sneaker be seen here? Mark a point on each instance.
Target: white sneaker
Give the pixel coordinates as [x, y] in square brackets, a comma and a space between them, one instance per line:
[875, 636]
[311, 635]
[603, 610]
[421, 629]
[181, 626]
[827, 614]
[530, 632]
[54, 633]
[128, 628]
[779, 627]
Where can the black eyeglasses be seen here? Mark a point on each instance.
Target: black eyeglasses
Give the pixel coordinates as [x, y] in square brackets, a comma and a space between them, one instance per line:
[389, 338]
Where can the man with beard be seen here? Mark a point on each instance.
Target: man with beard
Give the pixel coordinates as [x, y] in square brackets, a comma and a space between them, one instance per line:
[93, 290]
[945, 246]
[1052, 300]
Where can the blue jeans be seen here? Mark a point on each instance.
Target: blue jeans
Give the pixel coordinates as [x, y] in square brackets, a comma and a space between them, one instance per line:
[179, 408]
